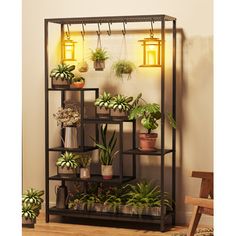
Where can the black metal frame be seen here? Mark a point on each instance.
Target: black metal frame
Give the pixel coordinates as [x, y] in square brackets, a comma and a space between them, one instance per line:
[134, 151]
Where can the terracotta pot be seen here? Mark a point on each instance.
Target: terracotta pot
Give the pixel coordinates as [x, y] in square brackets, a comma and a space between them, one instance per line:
[103, 112]
[58, 83]
[147, 141]
[77, 85]
[84, 173]
[99, 65]
[28, 222]
[107, 171]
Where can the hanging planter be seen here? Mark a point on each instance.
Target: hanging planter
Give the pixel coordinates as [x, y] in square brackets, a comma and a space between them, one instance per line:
[83, 66]
[98, 56]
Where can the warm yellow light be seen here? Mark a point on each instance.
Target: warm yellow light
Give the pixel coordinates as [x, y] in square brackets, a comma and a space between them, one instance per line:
[68, 50]
[151, 52]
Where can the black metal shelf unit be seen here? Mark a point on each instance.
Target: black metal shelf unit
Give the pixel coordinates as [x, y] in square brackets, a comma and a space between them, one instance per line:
[163, 220]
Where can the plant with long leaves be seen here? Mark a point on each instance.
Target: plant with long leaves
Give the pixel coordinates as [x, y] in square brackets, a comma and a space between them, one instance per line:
[120, 103]
[107, 153]
[68, 160]
[63, 72]
[144, 194]
[28, 211]
[103, 100]
[84, 160]
[121, 67]
[33, 197]
[99, 54]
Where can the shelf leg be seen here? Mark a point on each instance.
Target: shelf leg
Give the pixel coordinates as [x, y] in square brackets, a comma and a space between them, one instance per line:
[121, 152]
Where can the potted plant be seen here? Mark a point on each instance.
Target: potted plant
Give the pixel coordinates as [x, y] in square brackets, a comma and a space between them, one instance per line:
[149, 113]
[69, 118]
[67, 164]
[123, 67]
[98, 56]
[120, 105]
[31, 205]
[62, 75]
[83, 66]
[84, 161]
[107, 153]
[102, 104]
[78, 82]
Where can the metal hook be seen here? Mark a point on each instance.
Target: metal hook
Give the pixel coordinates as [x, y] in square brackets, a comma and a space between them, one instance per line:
[151, 30]
[99, 31]
[109, 26]
[68, 32]
[83, 31]
[124, 30]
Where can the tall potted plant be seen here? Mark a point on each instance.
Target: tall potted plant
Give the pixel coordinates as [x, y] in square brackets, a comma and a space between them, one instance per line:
[98, 56]
[107, 153]
[149, 113]
[67, 164]
[69, 118]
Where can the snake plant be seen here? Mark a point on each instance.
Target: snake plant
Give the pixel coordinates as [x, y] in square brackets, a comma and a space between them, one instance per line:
[68, 160]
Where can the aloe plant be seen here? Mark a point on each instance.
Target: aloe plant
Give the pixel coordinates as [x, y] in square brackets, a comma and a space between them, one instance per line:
[120, 103]
[107, 148]
[68, 160]
[63, 72]
[32, 196]
[103, 100]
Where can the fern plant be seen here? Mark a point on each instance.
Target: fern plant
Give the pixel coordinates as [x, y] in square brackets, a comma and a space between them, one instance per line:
[68, 160]
[99, 54]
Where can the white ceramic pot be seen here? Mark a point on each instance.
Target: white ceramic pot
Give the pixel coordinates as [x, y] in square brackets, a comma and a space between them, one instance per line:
[84, 173]
[71, 137]
[107, 171]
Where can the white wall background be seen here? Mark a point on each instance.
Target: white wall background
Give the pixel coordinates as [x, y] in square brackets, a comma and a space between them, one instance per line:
[195, 89]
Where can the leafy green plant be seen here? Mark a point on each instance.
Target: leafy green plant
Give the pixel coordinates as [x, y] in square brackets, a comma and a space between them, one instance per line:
[68, 160]
[121, 67]
[107, 148]
[120, 103]
[149, 113]
[144, 194]
[63, 72]
[67, 116]
[103, 100]
[84, 160]
[32, 196]
[99, 54]
[28, 211]
[78, 79]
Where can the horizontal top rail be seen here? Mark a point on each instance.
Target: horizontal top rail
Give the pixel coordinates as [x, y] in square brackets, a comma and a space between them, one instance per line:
[111, 19]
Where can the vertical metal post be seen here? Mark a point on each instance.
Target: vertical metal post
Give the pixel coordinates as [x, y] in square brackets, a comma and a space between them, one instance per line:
[97, 131]
[46, 121]
[121, 151]
[134, 146]
[174, 116]
[82, 119]
[162, 228]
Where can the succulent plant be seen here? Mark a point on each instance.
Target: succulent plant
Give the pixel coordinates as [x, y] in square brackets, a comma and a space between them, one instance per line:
[123, 67]
[78, 79]
[68, 160]
[63, 72]
[33, 196]
[121, 103]
[103, 100]
[99, 54]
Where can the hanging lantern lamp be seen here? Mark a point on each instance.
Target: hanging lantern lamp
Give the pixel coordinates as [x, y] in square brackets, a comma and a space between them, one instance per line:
[68, 48]
[151, 51]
